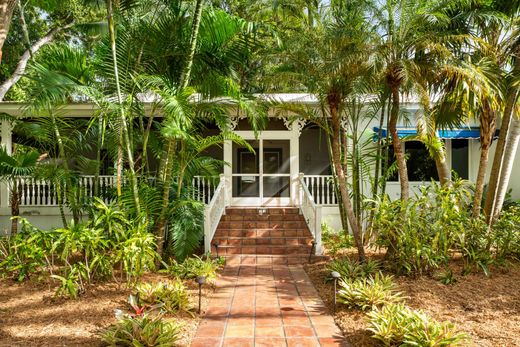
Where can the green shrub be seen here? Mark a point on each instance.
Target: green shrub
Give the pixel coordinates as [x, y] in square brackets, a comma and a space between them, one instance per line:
[422, 231]
[398, 325]
[506, 234]
[351, 269]
[193, 267]
[335, 241]
[142, 331]
[367, 293]
[82, 252]
[26, 253]
[171, 294]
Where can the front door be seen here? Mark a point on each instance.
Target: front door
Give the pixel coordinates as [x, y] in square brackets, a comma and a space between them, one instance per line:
[262, 177]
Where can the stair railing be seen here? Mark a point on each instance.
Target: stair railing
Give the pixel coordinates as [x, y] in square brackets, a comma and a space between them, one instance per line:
[213, 211]
[311, 212]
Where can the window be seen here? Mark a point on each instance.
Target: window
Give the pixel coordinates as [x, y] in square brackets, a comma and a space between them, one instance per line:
[421, 167]
[460, 157]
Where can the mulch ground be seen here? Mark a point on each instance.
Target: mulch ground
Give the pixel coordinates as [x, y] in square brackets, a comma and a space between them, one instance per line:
[30, 315]
[486, 308]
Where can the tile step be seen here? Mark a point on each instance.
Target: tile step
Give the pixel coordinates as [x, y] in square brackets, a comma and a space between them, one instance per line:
[262, 233]
[262, 210]
[252, 241]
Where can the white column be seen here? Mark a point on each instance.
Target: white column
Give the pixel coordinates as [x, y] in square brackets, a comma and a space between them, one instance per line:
[295, 165]
[228, 170]
[7, 143]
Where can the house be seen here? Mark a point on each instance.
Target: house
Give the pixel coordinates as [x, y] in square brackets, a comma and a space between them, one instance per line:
[289, 168]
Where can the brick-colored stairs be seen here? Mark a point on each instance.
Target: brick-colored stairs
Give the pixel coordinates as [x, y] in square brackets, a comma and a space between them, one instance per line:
[279, 233]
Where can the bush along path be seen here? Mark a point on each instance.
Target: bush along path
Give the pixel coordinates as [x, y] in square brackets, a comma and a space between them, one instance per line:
[257, 303]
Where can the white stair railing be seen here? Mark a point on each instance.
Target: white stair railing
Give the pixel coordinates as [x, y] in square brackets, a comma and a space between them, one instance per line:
[311, 212]
[204, 188]
[213, 211]
[321, 188]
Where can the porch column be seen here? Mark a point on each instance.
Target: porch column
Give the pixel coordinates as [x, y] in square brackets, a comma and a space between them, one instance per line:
[7, 143]
[228, 170]
[295, 165]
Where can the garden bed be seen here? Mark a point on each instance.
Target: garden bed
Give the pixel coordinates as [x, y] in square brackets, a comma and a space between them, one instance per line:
[30, 315]
[487, 308]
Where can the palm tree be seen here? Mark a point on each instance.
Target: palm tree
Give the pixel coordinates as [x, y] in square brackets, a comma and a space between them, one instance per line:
[125, 140]
[409, 52]
[509, 136]
[485, 58]
[331, 59]
[12, 167]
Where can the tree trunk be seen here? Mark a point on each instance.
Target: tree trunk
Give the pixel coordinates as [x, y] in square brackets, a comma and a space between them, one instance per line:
[487, 131]
[498, 160]
[507, 165]
[398, 149]
[124, 123]
[442, 168]
[15, 208]
[24, 60]
[6, 14]
[333, 101]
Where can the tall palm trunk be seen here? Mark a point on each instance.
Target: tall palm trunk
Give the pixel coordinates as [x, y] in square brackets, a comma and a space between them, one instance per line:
[170, 145]
[510, 151]
[125, 141]
[69, 194]
[442, 168]
[396, 142]
[499, 162]
[333, 101]
[487, 131]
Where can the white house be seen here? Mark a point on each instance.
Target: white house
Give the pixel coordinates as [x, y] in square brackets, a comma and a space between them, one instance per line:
[290, 167]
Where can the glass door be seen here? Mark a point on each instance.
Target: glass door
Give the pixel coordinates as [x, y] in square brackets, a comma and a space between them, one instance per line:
[276, 171]
[262, 177]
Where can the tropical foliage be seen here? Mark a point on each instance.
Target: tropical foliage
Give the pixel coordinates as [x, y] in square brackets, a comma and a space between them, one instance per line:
[142, 331]
[398, 325]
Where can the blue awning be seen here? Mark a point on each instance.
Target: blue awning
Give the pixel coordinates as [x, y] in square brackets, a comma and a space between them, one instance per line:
[465, 133]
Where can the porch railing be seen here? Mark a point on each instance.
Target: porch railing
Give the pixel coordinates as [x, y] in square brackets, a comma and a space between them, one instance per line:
[321, 188]
[40, 192]
[311, 212]
[213, 212]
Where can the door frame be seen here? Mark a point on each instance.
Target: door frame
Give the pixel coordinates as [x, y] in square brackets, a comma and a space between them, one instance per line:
[293, 137]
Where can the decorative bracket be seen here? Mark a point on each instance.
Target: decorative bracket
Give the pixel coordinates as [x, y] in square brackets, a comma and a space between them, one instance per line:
[233, 121]
[293, 123]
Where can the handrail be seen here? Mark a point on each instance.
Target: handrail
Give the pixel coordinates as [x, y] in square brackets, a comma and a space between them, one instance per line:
[322, 189]
[213, 211]
[311, 212]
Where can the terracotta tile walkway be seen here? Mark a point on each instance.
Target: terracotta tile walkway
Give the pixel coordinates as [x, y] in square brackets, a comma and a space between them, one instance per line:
[261, 304]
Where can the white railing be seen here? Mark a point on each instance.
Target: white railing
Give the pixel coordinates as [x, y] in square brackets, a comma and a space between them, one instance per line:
[204, 188]
[213, 211]
[40, 192]
[311, 212]
[321, 188]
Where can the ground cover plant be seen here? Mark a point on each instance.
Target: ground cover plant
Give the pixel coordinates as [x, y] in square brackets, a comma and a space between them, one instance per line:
[369, 292]
[172, 296]
[485, 308]
[142, 331]
[398, 325]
